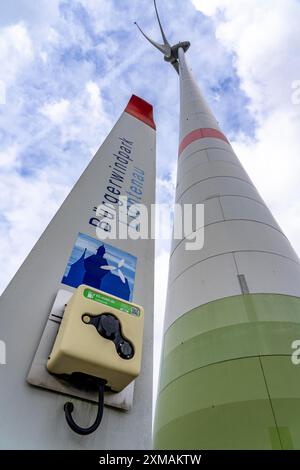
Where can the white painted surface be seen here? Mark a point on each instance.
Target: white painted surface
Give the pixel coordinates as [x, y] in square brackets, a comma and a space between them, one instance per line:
[219, 187]
[229, 208]
[194, 161]
[228, 237]
[203, 156]
[212, 214]
[267, 273]
[212, 279]
[243, 208]
[217, 154]
[210, 170]
[202, 144]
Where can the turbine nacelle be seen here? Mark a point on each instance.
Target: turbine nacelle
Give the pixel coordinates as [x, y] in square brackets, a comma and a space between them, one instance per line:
[170, 52]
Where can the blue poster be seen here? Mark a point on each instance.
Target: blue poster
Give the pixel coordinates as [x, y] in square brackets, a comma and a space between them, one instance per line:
[101, 266]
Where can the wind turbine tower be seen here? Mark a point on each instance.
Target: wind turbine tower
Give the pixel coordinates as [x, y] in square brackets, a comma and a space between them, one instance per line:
[227, 380]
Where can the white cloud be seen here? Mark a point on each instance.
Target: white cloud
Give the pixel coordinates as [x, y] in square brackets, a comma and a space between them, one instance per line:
[26, 206]
[52, 110]
[38, 14]
[57, 111]
[16, 51]
[8, 157]
[94, 99]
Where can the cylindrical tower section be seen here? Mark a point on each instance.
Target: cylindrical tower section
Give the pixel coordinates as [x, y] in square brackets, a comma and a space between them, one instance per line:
[227, 380]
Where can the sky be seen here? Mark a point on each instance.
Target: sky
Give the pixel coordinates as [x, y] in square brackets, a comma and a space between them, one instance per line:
[69, 67]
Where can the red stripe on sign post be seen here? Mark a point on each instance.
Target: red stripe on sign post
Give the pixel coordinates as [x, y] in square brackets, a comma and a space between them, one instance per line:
[203, 133]
[141, 110]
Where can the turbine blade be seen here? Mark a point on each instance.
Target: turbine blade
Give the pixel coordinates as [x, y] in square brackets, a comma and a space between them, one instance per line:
[121, 276]
[160, 26]
[108, 268]
[160, 47]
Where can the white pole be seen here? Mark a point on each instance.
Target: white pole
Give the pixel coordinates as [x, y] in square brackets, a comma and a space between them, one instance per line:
[33, 418]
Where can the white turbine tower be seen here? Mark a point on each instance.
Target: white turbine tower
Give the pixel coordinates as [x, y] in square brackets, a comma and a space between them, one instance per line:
[233, 308]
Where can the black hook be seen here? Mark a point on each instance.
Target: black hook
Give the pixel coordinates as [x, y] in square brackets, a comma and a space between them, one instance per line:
[69, 407]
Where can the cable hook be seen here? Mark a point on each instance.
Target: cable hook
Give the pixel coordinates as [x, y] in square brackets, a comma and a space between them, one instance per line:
[69, 408]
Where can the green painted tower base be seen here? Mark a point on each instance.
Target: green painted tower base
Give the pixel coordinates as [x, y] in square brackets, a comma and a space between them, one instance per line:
[227, 379]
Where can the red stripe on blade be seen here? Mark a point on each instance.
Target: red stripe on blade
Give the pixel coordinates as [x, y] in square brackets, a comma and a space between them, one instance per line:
[141, 110]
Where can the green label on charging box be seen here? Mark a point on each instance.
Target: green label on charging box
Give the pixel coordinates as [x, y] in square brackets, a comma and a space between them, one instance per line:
[111, 302]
